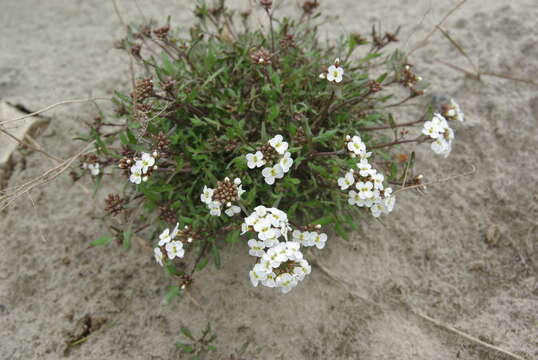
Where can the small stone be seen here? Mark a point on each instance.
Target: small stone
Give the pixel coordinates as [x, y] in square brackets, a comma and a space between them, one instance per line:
[493, 235]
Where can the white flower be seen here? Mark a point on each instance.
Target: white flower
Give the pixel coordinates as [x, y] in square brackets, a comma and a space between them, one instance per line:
[441, 146]
[207, 195]
[319, 239]
[158, 255]
[272, 173]
[439, 121]
[269, 281]
[432, 129]
[378, 181]
[302, 270]
[389, 204]
[285, 282]
[292, 251]
[146, 162]
[377, 209]
[267, 232]
[270, 242]
[335, 73]
[286, 162]
[166, 236]
[279, 145]
[136, 174]
[365, 189]
[175, 249]
[356, 145]
[257, 274]
[346, 181]
[94, 169]
[214, 208]
[303, 237]
[256, 248]
[364, 168]
[232, 210]
[354, 198]
[255, 160]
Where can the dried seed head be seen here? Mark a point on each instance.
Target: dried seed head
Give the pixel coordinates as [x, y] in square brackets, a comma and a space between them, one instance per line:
[270, 155]
[309, 6]
[262, 56]
[114, 204]
[143, 89]
[162, 32]
[266, 4]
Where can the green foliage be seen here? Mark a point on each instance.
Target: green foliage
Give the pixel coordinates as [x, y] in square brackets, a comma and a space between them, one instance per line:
[214, 102]
[199, 347]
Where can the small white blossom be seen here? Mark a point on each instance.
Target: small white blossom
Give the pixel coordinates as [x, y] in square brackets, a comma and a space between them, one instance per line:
[335, 73]
[256, 248]
[175, 249]
[158, 254]
[278, 144]
[166, 236]
[214, 208]
[365, 189]
[356, 145]
[95, 169]
[364, 168]
[257, 274]
[286, 162]
[232, 210]
[272, 173]
[255, 160]
[378, 181]
[432, 129]
[319, 239]
[377, 209]
[354, 198]
[346, 181]
[136, 174]
[146, 162]
[285, 282]
[441, 146]
[207, 195]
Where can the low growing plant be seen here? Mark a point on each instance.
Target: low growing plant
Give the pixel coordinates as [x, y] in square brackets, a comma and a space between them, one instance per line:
[268, 135]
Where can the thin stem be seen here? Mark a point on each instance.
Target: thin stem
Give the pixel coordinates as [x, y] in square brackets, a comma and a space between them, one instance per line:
[270, 14]
[410, 123]
[419, 140]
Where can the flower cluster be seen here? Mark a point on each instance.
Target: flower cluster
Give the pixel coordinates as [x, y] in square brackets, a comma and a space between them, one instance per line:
[94, 169]
[335, 73]
[310, 236]
[275, 155]
[356, 147]
[140, 168]
[441, 133]
[226, 193]
[369, 190]
[169, 247]
[280, 264]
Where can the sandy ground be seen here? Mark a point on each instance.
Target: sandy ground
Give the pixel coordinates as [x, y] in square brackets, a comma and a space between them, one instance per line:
[432, 255]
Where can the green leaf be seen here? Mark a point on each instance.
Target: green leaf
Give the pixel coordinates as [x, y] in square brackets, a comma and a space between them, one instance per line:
[186, 348]
[185, 331]
[172, 292]
[216, 255]
[104, 240]
[202, 264]
[127, 236]
[233, 236]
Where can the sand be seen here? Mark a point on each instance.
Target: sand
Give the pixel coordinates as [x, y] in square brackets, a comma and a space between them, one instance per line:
[464, 253]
